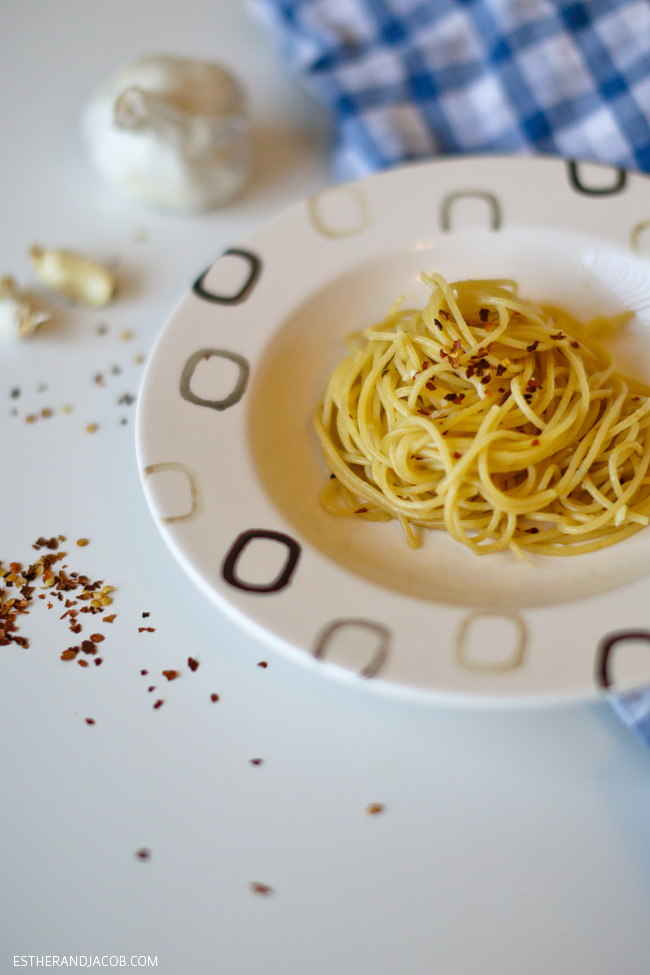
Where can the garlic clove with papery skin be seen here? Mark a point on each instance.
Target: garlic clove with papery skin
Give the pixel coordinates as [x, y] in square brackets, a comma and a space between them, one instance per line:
[172, 133]
[17, 317]
[73, 275]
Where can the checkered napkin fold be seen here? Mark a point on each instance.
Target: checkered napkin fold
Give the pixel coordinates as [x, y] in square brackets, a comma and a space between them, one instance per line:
[412, 79]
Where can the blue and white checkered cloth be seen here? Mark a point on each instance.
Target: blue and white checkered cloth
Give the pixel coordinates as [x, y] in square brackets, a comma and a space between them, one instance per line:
[408, 79]
[633, 707]
[412, 79]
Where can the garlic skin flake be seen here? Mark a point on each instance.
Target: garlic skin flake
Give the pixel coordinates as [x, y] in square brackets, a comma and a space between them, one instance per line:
[17, 317]
[171, 132]
[75, 276]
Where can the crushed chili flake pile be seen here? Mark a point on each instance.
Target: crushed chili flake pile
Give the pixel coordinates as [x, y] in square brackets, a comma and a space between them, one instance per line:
[75, 591]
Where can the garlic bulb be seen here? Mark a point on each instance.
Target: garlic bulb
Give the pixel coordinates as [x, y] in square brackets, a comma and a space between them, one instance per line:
[17, 317]
[171, 132]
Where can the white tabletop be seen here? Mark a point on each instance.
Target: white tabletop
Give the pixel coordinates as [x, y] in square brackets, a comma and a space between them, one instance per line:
[500, 843]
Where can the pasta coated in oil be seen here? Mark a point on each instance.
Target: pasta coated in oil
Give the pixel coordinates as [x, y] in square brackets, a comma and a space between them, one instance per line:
[498, 421]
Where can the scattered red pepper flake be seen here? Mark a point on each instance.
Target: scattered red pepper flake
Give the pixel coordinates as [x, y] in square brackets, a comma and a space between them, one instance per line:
[259, 888]
[256, 761]
[143, 854]
[171, 674]
[90, 720]
[70, 653]
[192, 663]
[158, 704]
[214, 698]
[535, 442]
[146, 629]
[262, 663]
[374, 808]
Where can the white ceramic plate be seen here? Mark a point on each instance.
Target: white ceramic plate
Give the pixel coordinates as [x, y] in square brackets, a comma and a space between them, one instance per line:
[232, 470]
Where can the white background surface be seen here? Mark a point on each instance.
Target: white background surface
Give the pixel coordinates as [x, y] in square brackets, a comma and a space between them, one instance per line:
[509, 843]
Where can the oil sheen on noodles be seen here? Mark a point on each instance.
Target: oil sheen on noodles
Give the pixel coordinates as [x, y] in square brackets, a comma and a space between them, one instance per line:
[501, 422]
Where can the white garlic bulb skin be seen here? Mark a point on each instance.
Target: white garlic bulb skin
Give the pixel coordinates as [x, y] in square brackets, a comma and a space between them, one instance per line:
[172, 133]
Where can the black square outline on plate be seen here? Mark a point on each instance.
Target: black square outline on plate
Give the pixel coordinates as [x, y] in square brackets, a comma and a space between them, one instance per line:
[228, 569]
[616, 187]
[255, 269]
[216, 404]
[378, 658]
[489, 198]
[605, 648]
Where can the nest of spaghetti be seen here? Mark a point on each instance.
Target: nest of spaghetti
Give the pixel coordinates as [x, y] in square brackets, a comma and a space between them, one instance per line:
[499, 421]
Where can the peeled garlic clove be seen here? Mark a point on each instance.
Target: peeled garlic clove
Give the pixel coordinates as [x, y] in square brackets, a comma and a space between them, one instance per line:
[171, 132]
[77, 277]
[17, 317]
